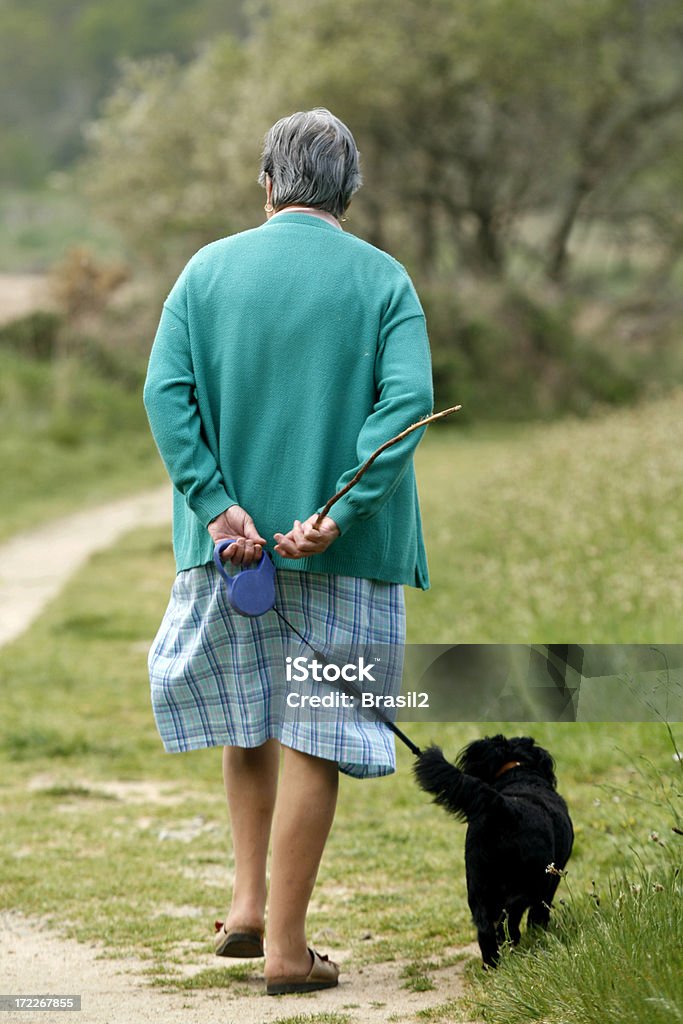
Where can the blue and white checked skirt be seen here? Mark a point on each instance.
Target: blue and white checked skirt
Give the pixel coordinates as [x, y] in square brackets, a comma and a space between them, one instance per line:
[218, 678]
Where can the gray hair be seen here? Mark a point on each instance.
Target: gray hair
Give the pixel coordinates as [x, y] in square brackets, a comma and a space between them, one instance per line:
[312, 160]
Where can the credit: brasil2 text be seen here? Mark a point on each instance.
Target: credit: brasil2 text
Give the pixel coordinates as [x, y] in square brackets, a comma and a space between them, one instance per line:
[336, 699]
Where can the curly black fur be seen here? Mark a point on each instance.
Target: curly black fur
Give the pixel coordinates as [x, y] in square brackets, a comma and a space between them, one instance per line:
[518, 825]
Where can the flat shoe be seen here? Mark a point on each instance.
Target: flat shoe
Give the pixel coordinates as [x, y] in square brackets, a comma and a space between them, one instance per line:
[323, 974]
[240, 942]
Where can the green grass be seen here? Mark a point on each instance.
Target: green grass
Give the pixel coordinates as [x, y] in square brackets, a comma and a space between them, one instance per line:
[553, 533]
[443, 1013]
[68, 438]
[616, 957]
[76, 717]
[315, 1018]
[232, 978]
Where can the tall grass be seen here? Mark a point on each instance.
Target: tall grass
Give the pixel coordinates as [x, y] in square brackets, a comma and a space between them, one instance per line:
[615, 957]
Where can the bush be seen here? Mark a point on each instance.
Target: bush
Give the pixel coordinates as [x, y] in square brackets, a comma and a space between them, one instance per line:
[507, 356]
[63, 400]
[35, 335]
[44, 337]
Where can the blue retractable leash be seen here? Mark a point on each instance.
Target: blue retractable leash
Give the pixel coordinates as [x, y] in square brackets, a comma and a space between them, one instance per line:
[251, 592]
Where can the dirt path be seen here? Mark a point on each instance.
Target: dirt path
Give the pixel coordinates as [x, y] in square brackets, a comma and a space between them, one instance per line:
[35, 959]
[21, 294]
[30, 577]
[116, 992]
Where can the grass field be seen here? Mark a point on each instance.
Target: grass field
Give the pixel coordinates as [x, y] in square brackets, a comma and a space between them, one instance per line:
[68, 438]
[553, 533]
[93, 801]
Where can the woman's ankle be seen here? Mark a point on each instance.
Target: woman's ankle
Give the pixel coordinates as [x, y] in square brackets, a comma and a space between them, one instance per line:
[246, 914]
[293, 963]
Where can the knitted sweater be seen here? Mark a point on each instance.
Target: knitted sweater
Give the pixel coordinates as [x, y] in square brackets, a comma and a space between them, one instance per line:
[284, 357]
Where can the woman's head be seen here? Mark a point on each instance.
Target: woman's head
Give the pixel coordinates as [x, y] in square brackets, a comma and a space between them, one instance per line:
[312, 160]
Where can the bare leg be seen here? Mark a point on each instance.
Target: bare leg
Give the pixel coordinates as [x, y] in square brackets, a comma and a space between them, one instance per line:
[250, 777]
[306, 803]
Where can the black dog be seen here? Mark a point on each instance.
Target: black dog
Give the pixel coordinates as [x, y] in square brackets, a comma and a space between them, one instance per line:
[518, 826]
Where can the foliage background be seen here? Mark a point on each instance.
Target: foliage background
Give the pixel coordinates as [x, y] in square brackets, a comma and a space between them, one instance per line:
[523, 160]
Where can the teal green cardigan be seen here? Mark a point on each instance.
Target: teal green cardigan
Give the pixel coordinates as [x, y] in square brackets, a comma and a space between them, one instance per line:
[285, 356]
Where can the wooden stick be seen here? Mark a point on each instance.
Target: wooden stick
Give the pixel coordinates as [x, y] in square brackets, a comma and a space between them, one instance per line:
[383, 447]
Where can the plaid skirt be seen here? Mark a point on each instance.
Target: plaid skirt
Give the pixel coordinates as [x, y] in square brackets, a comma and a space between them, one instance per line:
[218, 678]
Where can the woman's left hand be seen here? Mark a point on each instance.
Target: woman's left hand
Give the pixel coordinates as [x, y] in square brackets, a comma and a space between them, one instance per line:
[304, 539]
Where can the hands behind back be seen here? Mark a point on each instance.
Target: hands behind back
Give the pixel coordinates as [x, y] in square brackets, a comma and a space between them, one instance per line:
[304, 540]
[300, 542]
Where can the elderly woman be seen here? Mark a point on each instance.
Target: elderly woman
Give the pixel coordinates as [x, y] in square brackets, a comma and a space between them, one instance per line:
[285, 356]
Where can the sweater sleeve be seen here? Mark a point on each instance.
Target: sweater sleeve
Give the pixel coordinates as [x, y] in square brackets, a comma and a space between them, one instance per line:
[171, 404]
[404, 392]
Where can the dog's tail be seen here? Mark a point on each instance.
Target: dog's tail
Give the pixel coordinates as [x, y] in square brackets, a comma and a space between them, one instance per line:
[463, 795]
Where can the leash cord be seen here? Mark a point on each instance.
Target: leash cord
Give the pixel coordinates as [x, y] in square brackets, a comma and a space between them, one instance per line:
[353, 691]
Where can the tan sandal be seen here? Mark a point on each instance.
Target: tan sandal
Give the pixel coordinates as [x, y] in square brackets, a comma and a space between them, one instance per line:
[324, 973]
[240, 942]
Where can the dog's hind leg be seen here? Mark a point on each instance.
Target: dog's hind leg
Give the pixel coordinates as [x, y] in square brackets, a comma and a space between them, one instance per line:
[539, 915]
[539, 911]
[486, 935]
[488, 944]
[508, 929]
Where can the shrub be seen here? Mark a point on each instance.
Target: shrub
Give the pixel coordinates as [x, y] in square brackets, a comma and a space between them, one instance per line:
[505, 355]
[35, 335]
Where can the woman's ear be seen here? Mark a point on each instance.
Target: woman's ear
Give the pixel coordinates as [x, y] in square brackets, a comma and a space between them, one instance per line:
[269, 197]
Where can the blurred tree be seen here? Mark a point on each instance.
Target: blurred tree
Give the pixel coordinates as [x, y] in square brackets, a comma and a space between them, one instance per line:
[58, 58]
[488, 128]
[473, 115]
[167, 165]
[490, 131]
[622, 106]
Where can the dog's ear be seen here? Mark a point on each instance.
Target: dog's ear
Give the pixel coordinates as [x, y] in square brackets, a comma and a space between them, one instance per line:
[482, 758]
[545, 765]
[536, 757]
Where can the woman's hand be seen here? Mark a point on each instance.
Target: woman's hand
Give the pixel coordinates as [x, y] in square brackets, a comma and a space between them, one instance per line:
[237, 523]
[303, 539]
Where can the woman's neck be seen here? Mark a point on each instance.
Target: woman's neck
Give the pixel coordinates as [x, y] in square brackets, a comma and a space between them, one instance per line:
[323, 214]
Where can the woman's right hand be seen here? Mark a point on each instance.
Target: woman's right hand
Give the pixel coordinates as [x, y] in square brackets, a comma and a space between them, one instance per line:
[237, 523]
